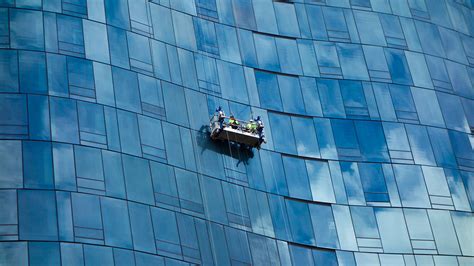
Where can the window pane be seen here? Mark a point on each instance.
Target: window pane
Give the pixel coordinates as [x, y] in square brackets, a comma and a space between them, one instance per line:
[320, 179]
[297, 178]
[11, 164]
[22, 34]
[268, 90]
[291, 94]
[393, 231]
[117, 13]
[32, 72]
[64, 127]
[411, 186]
[138, 180]
[300, 222]
[306, 142]
[166, 232]
[37, 223]
[444, 232]
[38, 165]
[324, 226]
[267, 53]
[116, 223]
[283, 140]
[331, 98]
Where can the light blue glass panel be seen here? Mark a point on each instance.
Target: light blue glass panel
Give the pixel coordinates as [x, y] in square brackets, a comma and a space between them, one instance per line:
[273, 172]
[287, 19]
[365, 224]
[139, 52]
[300, 222]
[228, 44]
[316, 22]
[104, 87]
[138, 180]
[96, 42]
[331, 98]
[244, 14]
[310, 94]
[129, 133]
[126, 90]
[291, 96]
[418, 224]
[393, 231]
[283, 140]
[345, 258]
[420, 145]
[247, 48]
[411, 186]
[289, 56]
[265, 16]
[166, 232]
[238, 245]
[64, 121]
[352, 61]
[464, 222]
[459, 77]
[37, 223]
[175, 101]
[452, 113]
[308, 58]
[429, 114]
[442, 148]
[305, 136]
[370, 29]
[355, 192]
[184, 30]
[429, 38]
[419, 69]
[444, 232]
[116, 222]
[457, 189]
[213, 199]
[324, 226]
[267, 52]
[151, 135]
[345, 229]
[232, 80]
[373, 182]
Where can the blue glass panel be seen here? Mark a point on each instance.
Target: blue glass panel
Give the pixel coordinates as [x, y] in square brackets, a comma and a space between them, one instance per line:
[287, 19]
[297, 177]
[232, 82]
[65, 223]
[43, 253]
[70, 36]
[184, 30]
[38, 166]
[283, 140]
[267, 52]
[72, 254]
[411, 186]
[301, 255]
[151, 135]
[320, 179]
[129, 133]
[289, 56]
[123, 257]
[370, 29]
[372, 141]
[9, 73]
[138, 180]
[291, 96]
[331, 99]
[32, 72]
[273, 172]
[162, 23]
[96, 255]
[345, 229]
[38, 117]
[444, 232]
[393, 231]
[463, 222]
[398, 66]
[228, 44]
[37, 223]
[116, 223]
[420, 145]
[324, 226]
[365, 224]
[174, 97]
[373, 182]
[57, 75]
[96, 42]
[325, 138]
[345, 138]
[14, 253]
[355, 192]
[118, 47]
[354, 99]
[142, 259]
[87, 225]
[316, 22]
[352, 61]
[247, 48]
[166, 232]
[265, 16]
[244, 14]
[305, 136]
[308, 58]
[64, 121]
[213, 199]
[453, 115]
[22, 34]
[442, 148]
[300, 222]
[325, 257]
[238, 245]
[139, 52]
[189, 191]
[117, 13]
[268, 90]
[459, 77]
[126, 90]
[429, 38]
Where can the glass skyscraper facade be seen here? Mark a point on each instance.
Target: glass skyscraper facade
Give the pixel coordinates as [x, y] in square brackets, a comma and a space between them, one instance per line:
[105, 156]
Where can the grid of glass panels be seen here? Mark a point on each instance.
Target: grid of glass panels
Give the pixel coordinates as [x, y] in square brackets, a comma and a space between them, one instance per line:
[369, 115]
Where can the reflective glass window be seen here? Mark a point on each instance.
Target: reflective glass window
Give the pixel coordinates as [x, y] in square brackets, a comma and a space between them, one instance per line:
[118, 47]
[32, 72]
[301, 255]
[373, 182]
[345, 138]
[287, 19]
[316, 22]
[328, 60]
[372, 141]
[162, 23]
[72, 254]
[393, 231]
[429, 38]
[64, 121]
[300, 222]
[129, 133]
[126, 90]
[214, 202]
[244, 14]
[57, 75]
[117, 13]
[96, 42]
[265, 16]
[453, 115]
[305, 136]
[259, 211]
[92, 124]
[283, 139]
[232, 81]
[138, 180]
[184, 30]
[113, 172]
[370, 29]
[139, 52]
[9, 73]
[70, 36]
[38, 166]
[37, 223]
[331, 98]
[353, 96]
[419, 70]
[189, 191]
[291, 96]
[324, 257]
[151, 135]
[352, 61]
[87, 225]
[43, 253]
[442, 148]
[268, 90]
[267, 52]
[459, 77]
[247, 48]
[116, 222]
[444, 232]
[38, 117]
[289, 56]
[324, 226]
[174, 99]
[228, 44]
[463, 222]
[238, 246]
[273, 172]
[166, 232]
[345, 229]
[297, 177]
[26, 29]
[81, 78]
[420, 145]
[411, 186]
[398, 66]
[96, 255]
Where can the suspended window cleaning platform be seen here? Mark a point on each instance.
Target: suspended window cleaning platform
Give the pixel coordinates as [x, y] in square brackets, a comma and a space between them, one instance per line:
[237, 131]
